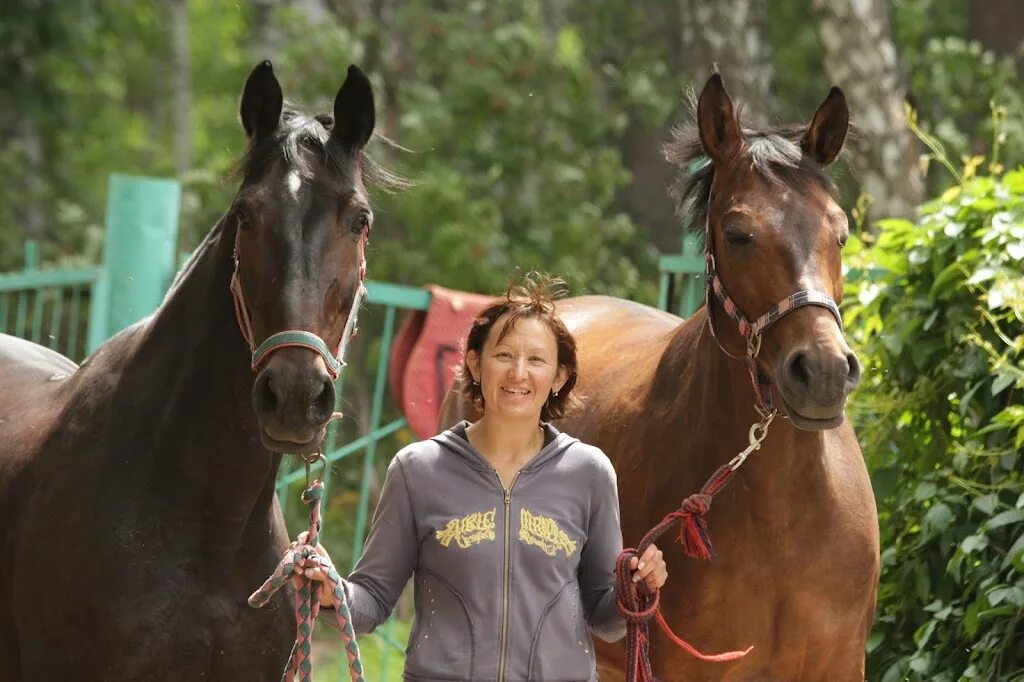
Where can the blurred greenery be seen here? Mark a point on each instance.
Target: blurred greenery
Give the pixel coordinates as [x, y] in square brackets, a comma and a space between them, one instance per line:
[940, 415]
[510, 119]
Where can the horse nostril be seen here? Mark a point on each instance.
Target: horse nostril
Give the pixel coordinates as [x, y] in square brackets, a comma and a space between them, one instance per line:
[798, 370]
[854, 368]
[266, 395]
[323, 403]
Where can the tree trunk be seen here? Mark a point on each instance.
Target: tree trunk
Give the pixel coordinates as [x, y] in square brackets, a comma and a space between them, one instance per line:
[699, 37]
[35, 218]
[999, 26]
[730, 37]
[860, 57]
[181, 82]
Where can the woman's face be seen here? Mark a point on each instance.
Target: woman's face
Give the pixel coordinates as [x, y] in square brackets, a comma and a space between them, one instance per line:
[518, 373]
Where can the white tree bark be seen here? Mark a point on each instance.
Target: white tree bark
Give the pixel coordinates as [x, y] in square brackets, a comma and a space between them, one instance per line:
[860, 57]
[729, 36]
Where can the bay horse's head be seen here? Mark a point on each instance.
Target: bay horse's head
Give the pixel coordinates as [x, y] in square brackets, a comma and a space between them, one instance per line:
[303, 218]
[774, 235]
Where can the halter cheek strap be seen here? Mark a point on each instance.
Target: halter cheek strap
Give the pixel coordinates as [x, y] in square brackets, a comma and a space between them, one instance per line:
[751, 331]
[299, 338]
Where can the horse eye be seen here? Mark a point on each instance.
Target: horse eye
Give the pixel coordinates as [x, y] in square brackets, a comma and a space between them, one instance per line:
[738, 238]
[361, 223]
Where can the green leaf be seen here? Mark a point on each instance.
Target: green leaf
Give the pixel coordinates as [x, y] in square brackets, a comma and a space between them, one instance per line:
[974, 543]
[924, 491]
[1005, 518]
[939, 517]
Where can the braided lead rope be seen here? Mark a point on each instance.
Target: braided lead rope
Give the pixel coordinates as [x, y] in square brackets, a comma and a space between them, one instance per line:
[638, 604]
[307, 597]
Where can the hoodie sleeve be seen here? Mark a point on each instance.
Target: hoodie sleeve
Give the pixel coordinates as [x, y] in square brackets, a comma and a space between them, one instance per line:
[389, 557]
[597, 560]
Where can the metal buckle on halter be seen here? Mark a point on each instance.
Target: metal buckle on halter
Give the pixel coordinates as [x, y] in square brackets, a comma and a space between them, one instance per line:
[310, 461]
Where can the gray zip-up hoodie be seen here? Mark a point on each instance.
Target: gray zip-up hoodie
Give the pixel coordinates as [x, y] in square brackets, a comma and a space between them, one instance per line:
[509, 583]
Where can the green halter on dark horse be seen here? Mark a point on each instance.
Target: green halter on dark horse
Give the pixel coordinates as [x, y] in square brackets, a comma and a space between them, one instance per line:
[137, 505]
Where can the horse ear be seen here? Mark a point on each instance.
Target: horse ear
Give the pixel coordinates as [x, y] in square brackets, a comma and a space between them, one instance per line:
[261, 102]
[716, 121]
[354, 114]
[827, 132]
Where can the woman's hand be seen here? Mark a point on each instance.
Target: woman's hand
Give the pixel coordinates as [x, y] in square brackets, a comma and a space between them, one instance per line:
[312, 569]
[650, 568]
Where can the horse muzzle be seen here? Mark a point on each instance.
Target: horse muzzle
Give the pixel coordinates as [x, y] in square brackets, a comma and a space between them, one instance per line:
[293, 398]
[814, 381]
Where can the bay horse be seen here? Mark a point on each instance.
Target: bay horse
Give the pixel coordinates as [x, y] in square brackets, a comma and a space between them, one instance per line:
[137, 504]
[796, 531]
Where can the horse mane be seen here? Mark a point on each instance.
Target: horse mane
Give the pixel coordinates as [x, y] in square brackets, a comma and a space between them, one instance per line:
[775, 153]
[298, 129]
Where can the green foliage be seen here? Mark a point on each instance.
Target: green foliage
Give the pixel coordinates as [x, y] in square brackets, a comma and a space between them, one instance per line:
[941, 417]
[514, 159]
[970, 100]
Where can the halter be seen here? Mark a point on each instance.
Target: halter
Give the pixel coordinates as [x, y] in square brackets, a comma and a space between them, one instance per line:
[299, 338]
[751, 331]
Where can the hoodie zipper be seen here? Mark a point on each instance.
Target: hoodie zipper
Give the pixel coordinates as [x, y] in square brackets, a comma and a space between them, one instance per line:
[507, 492]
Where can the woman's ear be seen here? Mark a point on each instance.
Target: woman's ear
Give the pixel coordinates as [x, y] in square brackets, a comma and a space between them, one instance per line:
[561, 376]
[473, 363]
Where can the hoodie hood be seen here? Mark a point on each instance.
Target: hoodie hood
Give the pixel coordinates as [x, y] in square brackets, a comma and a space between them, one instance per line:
[454, 441]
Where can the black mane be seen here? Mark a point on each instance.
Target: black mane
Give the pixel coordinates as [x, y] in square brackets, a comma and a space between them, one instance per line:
[775, 153]
[298, 129]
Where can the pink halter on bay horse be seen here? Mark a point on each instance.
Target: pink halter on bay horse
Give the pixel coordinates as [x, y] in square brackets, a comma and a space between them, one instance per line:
[751, 389]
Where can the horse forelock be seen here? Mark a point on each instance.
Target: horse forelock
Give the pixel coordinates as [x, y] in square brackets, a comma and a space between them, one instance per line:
[301, 137]
[775, 153]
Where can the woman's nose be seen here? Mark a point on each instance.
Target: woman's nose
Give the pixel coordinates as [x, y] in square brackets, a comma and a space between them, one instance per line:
[518, 367]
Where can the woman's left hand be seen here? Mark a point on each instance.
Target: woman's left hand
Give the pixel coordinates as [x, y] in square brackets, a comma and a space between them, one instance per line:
[650, 568]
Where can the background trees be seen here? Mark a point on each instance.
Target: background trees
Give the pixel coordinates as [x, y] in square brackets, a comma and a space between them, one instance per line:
[532, 131]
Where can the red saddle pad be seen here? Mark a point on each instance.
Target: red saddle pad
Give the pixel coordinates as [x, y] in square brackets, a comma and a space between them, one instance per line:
[427, 349]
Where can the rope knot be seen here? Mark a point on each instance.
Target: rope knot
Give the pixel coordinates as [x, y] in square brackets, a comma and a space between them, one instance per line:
[697, 504]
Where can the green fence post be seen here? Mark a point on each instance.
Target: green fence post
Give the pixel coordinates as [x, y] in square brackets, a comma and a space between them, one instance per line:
[139, 254]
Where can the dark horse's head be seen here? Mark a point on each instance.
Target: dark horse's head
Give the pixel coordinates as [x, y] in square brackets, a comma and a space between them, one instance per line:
[775, 229]
[303, 218]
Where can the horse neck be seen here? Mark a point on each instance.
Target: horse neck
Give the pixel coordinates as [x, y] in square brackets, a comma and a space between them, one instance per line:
[712, 399]
[183, 396]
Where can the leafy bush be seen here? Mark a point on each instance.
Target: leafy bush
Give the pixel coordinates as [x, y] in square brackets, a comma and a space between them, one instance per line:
[941, 417]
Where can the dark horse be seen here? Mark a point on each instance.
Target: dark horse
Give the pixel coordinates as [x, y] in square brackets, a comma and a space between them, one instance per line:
[137, 505]
[795, 532]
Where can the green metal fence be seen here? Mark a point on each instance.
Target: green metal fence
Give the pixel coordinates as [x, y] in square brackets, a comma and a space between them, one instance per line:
[61, 309]
[681, 279]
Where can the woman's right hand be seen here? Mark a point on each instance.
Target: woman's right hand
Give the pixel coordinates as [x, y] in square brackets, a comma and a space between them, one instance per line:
[312, 569]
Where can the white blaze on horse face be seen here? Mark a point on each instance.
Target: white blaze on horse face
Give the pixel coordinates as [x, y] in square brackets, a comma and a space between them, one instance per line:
[294, 184]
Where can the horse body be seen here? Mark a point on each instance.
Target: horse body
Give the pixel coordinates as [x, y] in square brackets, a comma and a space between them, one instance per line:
[137, 493]
[136, 531]
[795, 533]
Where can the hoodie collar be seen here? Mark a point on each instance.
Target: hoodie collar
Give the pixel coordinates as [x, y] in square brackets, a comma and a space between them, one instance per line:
[455, 441]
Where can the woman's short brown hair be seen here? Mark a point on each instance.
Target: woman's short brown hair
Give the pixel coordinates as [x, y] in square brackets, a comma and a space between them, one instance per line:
[532, 295]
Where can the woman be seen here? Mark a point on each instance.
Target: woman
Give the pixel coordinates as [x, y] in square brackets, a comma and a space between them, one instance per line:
[510, 528]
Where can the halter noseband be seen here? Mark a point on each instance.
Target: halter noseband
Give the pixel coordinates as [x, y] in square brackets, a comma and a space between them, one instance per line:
[299, 338]
[751, 331]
